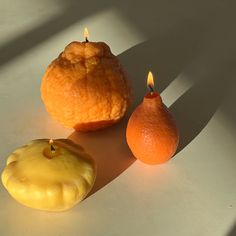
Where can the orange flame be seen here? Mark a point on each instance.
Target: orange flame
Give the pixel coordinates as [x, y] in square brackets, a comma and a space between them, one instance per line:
[86, 34]
[150, 81]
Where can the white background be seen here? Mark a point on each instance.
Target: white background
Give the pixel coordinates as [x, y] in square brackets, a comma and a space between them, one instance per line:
[191, 48]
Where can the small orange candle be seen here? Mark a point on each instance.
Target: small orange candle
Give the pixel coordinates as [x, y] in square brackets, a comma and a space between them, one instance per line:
[151, 133]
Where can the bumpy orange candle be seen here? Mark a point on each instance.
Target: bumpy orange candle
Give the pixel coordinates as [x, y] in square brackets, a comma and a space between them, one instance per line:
[86, 88]
[152, 134]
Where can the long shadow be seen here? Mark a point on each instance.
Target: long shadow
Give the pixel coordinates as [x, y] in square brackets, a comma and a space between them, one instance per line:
[70, 15]
[73, 11]
[195, 108]
[211, 75]
[166, 54]
[109, 149]
[212, 72]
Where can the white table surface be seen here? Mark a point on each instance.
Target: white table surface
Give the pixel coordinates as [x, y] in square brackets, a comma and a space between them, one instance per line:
[191, 48]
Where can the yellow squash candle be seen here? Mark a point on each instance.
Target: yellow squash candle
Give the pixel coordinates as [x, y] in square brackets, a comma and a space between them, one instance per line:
[49, 175]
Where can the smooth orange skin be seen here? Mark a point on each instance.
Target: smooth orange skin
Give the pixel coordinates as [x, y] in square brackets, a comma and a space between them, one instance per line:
[151, 133]
[85, 88]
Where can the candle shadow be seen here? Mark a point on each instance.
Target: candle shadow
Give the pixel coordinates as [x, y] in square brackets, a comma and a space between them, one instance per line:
[181, 50]
[166, 55]
[109, 149]
[212, 73]
[194, 109]
[72, 13]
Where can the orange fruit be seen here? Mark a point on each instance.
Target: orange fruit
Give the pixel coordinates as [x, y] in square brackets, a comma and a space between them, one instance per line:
[85, 87]
[151, 133]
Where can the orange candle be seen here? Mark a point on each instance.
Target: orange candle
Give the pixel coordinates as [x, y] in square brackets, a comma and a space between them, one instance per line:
[85, 87]
[152, 133]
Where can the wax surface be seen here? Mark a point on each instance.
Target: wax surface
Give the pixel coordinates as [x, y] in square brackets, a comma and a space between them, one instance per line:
[152, 133]
[85, 88]
[49, 184]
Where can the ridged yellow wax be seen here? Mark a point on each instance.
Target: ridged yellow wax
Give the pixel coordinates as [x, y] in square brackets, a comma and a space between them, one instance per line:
[51, 184]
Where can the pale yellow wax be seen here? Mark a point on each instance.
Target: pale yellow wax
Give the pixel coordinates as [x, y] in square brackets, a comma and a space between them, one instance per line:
[49, 180]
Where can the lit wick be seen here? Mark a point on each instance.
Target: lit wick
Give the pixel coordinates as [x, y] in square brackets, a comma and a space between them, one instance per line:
[150, 82]
[151, 89]
[51, 146]
[50, 151]
[86, 34]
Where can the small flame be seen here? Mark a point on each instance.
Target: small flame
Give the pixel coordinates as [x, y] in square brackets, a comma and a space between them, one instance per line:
[150, 81]
[51, 141]
[86, 34]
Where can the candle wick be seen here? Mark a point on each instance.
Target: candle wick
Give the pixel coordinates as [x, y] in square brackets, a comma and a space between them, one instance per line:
[52, 148]
[86, 39]
[151, 89]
